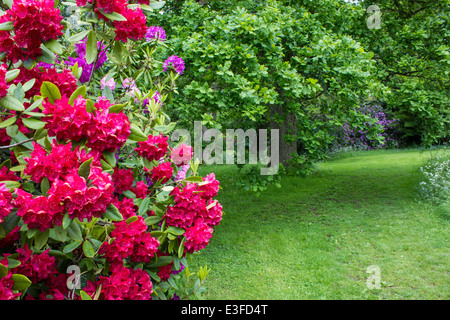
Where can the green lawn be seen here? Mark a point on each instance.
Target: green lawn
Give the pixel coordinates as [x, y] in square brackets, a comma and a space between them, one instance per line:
[316, 236]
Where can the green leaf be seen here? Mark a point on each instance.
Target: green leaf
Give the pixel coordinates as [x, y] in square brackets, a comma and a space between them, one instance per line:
[162, 261]
[10, 222]
[60, 233]
[28, 85]
[181, 248]
[8, 122]
[40, 239]
[54, 46]
[74, 232]
[152, 220]
[66, 221]
[118, 52]
[116, 108]
[11, 103]
[39, 134]
[33, 123]
[88, 249]
[157, 5]
[85, 168]
[85, 296]
[91, 47]
[110, 158]
[20, 282]
[144, 206]
[79, 36]
[113, 214]
[113, 16]
[7, 26]
[11, 185]
[81, 91]
[175, 230]
[35, 104]
[3, 271]
[45, 186]
[50, 91]
[71, 246]
[11, 75]
[165, 129]
[137, 134]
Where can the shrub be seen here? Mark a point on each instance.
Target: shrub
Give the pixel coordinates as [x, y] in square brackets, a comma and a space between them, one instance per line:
[366, 137]
[435, 180]
[92, 205]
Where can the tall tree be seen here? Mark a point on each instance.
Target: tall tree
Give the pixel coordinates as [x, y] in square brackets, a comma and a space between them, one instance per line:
[269, 64]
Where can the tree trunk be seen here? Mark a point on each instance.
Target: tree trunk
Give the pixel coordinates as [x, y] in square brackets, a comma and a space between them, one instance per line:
[285, 122]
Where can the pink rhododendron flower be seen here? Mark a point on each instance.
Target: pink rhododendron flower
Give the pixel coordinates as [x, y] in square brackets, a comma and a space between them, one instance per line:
[130, 240]
[6, 285]
[110, 83]
[154, 148]
[40, 212]
[35, 22]
[187, 206]
[5, 202]
[182, 154]
[163, 172]
[134, 28]
[210, 188]
[58, 163]
[67, 122]
[181, 174]
[122, 179]
[197, 236]
[3, 85]
[108, 131]
[123, 284]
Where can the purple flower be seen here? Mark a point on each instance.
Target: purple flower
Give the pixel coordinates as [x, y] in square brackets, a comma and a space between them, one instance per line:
[155, 33]
[80, 48]
[176, 62]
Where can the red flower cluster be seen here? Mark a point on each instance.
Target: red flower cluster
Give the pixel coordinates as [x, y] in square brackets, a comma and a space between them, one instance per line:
[197, 236]
[59, 162]
[3, 85]
[41, 268]
[163, 172]
[130, 241]
[108, 131]
[65, 80]
[154, 148]
[126, 207]
[103, 131]
[35, 22]
[195, 211]
[5, 202]
[134, 28]
[122, 179]
[39, 213]
[6, 284]
[123, 284]
[80, 200]
[68, 192]
[67, 122]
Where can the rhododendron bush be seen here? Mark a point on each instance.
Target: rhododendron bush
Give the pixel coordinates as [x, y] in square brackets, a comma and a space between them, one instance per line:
[96, 202]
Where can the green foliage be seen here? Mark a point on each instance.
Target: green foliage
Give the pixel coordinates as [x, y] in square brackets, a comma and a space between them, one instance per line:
[435, 179]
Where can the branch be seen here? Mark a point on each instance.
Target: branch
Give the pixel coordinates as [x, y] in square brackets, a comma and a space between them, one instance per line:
[16, 144]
